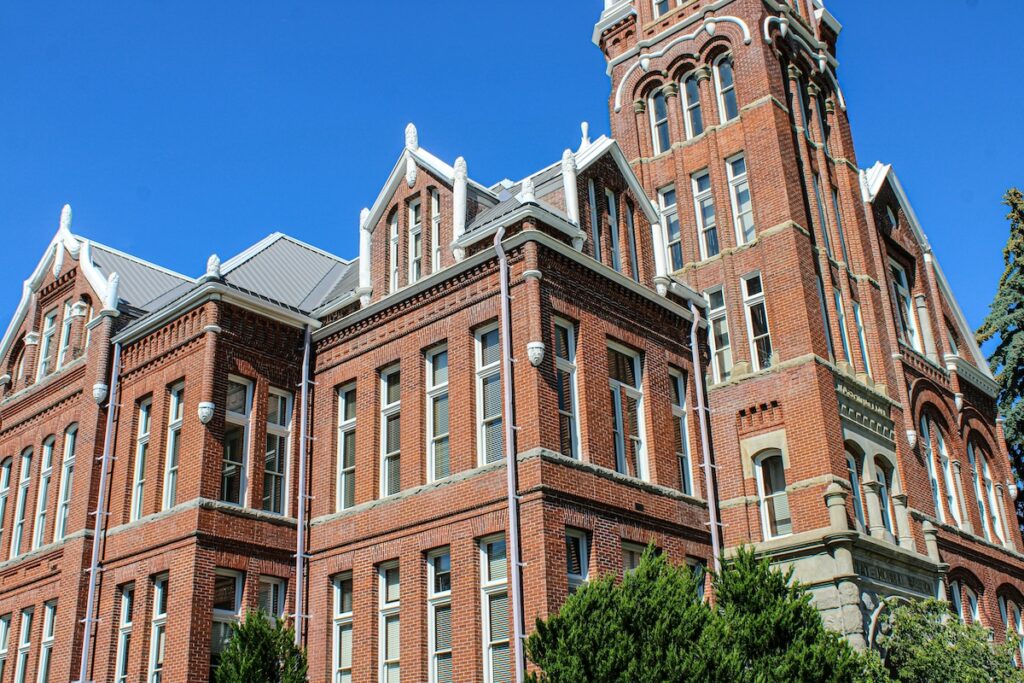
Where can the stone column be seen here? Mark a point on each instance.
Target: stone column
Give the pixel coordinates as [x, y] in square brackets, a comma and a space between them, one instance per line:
[925, 320]
[906, 536]
[874, 505]
[958, 482]
[931, 544]
[840, 542]
[1009, 523]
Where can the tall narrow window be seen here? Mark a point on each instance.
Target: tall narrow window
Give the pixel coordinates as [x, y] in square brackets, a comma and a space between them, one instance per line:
[490, 441]
[625, 383]
[951, 336]
[175, 419]
[5, 490]
[822, 222]
[947, 477]
[64, 345]
[739, 193]
[956, 601]
[634, 263]
[43, 493]
[438, 461]
[393, 252]
[757, 323]
[227, 608]
[67, 477]
[577, 558]
[342, 644]
[435, 231]
[141, 456]
[495, 610]
[595, 219]
[824, 317]
[852, 470]
[272, 593]
[24, 645]
[993, 504]
[5, 638]
[771, 489]
[124, 633]
[45, 363]
[826, 130]
[718, 331]
[565, 383]
[346, 496]
[904, 305]
[933, 478]
[158, 631]
[233, 485]
[704, 207]
[670, 216]
[694, 116]
[276, 463]
[862, 341]
[891, 221]
[839, 225]
[843, 335]
[725, 83]
[391, 431]
[24, 477]
[47, 643]
[677, 380]
[613, 228]
[390, 623]
[415, 241]
[439, 615]
[659, 122]
[979, 494]
[883, 475]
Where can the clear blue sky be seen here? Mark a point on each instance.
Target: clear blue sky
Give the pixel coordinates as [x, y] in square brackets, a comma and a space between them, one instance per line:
[175, 129]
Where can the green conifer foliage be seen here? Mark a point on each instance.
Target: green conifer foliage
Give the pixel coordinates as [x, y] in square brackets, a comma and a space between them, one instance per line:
[262, 650]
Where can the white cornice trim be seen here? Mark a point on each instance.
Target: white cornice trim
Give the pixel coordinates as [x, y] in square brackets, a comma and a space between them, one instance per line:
[610, 17]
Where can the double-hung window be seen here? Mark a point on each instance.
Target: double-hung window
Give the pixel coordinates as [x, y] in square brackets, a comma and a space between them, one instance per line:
[227, 608]
[276, 463]
[5, 490]
[415, 241]
[613, 228]
[634, 262]
[577, 558]
[175, 420]
[739, 194]
[390, 632]
[435, 231]
[979, 495]
[391, 431]
[158, 630]
[757, 322]
[858, 503]
[677, 381]
[393, 252]
[124, 633]
[565, 383]
[725, 84]
[933, 478]
[718, 331]
[24, 477]
[495, 610]
[144, 413]
[46, 344]
[904, 305]
[342, 641]
[64, 345]
[5, 638]
[694, 116]
[439, 615]
[883, 475]
[346, 494]
[994, 509]
[843, 335]
[659, 122]
[625, 384]
[771, 490]
[822, 223]
[670, 216]
[43, 492]
[947, 476]
[272, 594]
[839, 225]
[704, 209]
[67, 477]
[595, 219]
[862, 340]
[48, 641]
[24, 645]
[234, 466]
[438, 461]
[490, 441]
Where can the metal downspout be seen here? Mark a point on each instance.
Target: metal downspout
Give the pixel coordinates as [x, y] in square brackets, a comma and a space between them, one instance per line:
[702, 413]
[300, 535]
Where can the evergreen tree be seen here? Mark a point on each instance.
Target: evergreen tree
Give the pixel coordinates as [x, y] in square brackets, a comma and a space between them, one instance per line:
[1005, 323]
[262, 650]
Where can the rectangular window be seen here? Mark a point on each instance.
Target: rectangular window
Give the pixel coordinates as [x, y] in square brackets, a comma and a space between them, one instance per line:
[861, 337]
[64, 345]
[276, 462]
[5, 637]
[613, 228]
[670, 218]
[659, 123]
[757, 323]
[577, 558]
[718, 331]
[677, 380]
[67, 476]
[393, 252]
[391, 431]
[438, 462]
[342, 644]
[662, 7]
[822, 223]
[439, 615]
[144, 414]
[595, 219]
[739, 193]
[24, 477]
[490, 441]
[124, 633]
[158, 631]
[631, 555]
[565, 384]
[625, 384]
[843, 335]
[46, 344]
[495, 613]
[415, 241]
[24, 645]
[227, 608]
[839, 225]
[389, 637]
[704, 207]
[175, 420]
[694, 117]
[825, 318]
[771, 489]
[47, 643]
[346, 495]
[5, 489]
[234, 466]
[43, 493]
[904, 303]
[634, 263]
[273, 592]
[435, 231]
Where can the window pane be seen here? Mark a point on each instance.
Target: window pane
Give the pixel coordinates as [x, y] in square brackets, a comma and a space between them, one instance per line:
[496, 565]
[621, 367]
[237, 394]
[490, 349]
[498, 605]
[439, 368]
[393, 387]
[443, 628]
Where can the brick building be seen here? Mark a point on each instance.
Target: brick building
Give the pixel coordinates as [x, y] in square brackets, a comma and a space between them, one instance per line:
[382, 394]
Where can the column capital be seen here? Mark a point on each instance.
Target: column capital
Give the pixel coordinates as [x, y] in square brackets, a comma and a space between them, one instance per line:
[639, 106]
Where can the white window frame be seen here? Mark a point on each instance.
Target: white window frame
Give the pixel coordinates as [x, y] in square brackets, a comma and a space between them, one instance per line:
[24, 480]
[483, 373]
[232, 617]
[582, 538]
[568, 366]
[679, 378]
[659, 146]
[904, 300]
[242, 420]
[844, 336]
[64, 343]
[124, 633]
[822, 219]
[341, 662]
[283, 433]
[979, 495]
[437, 392]
[751, 301]
[388, 610]
[634, 262]
[933, 476]
[277, 590]
[435, 231]
[721, 358]
[612, 206]
[862, 340]
[595, 219]
[46, 343]
[172, 459]
[389, 410]
[393, 253]
[764, 498]
[67, 478]
[995, 510]
[491, 587]
[631, 551]
[736, 182]
[158, 630]
[885, 484]
[49, 638]
[43, 491]
[722, 93]
[947, 477]
[5, 490]
[658, 12]
[24, 644]
[839, 225]
[973, 606]
[670, 212]
[689, 107]
[5, 638]
[858, 500]
[144, 411]
[346, 426]
[704, 230]
[415, 236]
[436, 601]
[956, 600]
[636, 393]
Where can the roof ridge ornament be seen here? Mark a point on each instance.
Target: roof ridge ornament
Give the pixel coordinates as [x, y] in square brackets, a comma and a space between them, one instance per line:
[529, 193]
[459, 200]
[584, 135]
[111, 299]
[365, 247]
[212, 269]
[412, 143]
[412, 137]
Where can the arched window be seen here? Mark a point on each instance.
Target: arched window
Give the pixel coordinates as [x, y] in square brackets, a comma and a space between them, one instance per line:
[5, 489]
[883, 475]
[1014, 626]
[67, 475]
[43, 492]
[393, 252]
[973, 610]
[955, 601]
[771, 491]
[659, 122]
[994, 509]
[725, 85]
[933, 478]
[24, 475]
[691, 101]
[947, 476]
[979, 494]
[858, 504]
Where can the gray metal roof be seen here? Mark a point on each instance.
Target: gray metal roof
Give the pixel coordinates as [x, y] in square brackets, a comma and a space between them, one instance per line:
[142, 285]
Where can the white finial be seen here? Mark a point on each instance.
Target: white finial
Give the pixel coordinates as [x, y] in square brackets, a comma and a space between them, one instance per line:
[568, 161]
[528, 192]
[585, 129]
[570, 187]
[364, 216]
[110, 302]
[213, 267]
[412, 137]
[461, 172]
[459, 204]
[65, 218]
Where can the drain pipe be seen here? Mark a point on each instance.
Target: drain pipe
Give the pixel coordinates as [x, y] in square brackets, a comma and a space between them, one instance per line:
[702, 413]
[100, 515]
[300, 535]
[510, 460]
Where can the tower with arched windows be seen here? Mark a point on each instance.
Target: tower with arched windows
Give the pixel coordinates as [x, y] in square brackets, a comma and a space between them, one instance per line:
[850, 406]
